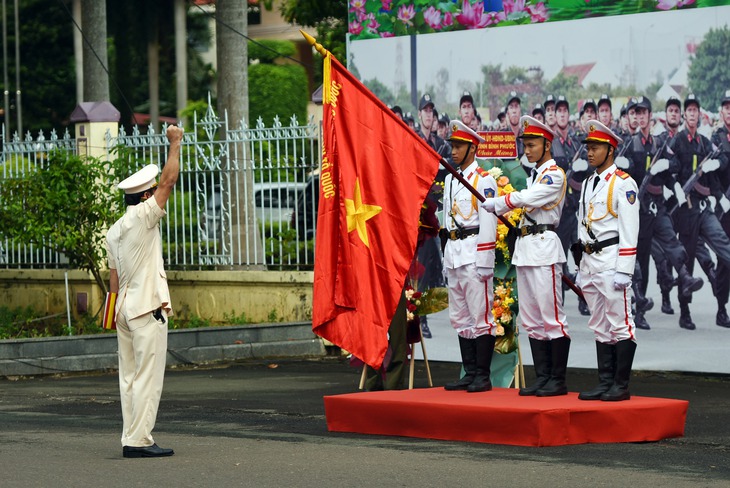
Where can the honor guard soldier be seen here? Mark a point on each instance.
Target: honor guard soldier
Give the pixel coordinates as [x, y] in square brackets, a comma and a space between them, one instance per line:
[539, 257]
[565, 153]
[137, 275]
[469, 261]
[701, 182]
[721, 139]
[652, 164]
[608, 232]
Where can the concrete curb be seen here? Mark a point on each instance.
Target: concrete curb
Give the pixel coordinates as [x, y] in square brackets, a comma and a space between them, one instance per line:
[52, 355]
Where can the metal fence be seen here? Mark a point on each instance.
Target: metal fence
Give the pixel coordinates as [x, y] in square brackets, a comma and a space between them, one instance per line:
[245, 196]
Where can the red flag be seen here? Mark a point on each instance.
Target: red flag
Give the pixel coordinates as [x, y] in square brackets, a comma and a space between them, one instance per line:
[376, 173]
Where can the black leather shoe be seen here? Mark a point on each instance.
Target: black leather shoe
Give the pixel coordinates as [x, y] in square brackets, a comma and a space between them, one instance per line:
[641, 322]
[685, 322]
[722, 319]
[145, 452]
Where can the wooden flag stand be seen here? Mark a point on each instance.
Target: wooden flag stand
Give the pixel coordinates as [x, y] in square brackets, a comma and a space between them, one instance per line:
[412, 366]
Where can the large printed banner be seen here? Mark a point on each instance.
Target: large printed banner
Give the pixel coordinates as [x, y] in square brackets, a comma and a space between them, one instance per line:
[370, 19]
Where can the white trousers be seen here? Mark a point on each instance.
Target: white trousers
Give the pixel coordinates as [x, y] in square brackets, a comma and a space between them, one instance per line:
[142, 355]
[541, 301]
[611, 319]
[470, 302]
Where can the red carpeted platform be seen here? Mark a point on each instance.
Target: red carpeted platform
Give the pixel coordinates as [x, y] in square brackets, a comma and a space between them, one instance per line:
[501, 416]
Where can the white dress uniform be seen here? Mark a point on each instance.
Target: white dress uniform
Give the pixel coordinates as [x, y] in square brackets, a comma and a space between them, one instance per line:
[134, 249]
[609, 211]
[470, 299]
[538, 257]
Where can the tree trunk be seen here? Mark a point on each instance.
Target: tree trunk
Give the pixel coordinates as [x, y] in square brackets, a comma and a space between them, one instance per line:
[232, 59]
[181, 58]
[96, 79]
[153, 64]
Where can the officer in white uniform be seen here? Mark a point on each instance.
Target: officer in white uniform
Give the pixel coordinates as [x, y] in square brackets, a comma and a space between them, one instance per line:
[137, 274]
[539, 257]
[608, 232]
[469, 260]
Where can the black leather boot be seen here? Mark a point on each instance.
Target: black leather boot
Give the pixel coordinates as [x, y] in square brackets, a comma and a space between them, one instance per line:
[688, 284]
[721, 318]
[624, 360]
[468, 349]
[542, 359]
[685, 319]
[640, 321]
[667, 303]
[556, 384]
[485, 349]
[606, 354]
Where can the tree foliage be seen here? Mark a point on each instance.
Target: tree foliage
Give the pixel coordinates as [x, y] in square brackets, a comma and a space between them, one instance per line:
[66, 206]
[708, 75]
[276, 89]
[329, 17]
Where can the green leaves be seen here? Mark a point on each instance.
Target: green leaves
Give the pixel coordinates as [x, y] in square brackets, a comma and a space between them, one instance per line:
[65, 205]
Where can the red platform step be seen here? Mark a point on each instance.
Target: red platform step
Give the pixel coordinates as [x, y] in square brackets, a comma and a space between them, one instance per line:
[501, 416]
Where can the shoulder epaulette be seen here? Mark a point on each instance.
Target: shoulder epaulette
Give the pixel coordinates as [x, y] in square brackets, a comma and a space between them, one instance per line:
[482, 171]
[622, 174]
[554, 166]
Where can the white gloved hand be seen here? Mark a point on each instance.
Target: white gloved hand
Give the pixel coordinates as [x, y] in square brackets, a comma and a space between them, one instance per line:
[667, 193]
[524, 162]
[679, 193]
[488, 204]
[724, 204]
[578, 281]
[485, 274]
[659, 166]
[621, 162]
[710, 165]
[580, 165]
[713, 202]
[621, 281]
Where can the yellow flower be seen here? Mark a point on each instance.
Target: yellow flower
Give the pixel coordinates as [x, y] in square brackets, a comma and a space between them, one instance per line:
[500, 330]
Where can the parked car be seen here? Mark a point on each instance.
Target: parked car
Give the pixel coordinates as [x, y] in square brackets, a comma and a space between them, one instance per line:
[304, 218]
[274, 202]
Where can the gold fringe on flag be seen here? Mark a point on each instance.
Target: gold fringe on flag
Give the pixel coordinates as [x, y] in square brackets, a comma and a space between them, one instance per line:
[327, 80]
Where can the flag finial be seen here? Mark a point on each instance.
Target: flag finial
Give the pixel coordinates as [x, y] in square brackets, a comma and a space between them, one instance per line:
[311, 40]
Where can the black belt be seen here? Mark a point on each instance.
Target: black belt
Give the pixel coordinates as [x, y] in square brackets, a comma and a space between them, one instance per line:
[527, 230]
[595, 247]
[456, 234]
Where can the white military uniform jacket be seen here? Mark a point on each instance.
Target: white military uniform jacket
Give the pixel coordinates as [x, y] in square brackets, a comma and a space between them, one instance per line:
[134, 248]
[462, 207]
[543, 201]
[610, 210]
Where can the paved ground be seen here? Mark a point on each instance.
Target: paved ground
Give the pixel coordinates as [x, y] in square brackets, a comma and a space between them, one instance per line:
[252, 424]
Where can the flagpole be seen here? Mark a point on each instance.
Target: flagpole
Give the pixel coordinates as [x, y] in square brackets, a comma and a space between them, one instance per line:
[502, 219]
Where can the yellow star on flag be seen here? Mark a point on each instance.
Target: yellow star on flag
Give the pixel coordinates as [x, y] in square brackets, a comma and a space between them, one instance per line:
[358, 213]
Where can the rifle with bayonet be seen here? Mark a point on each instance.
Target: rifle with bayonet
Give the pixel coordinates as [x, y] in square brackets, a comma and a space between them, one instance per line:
[690, 183]
[648, 176]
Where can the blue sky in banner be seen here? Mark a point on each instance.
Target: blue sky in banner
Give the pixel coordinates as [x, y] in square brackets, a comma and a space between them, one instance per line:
[627, 50]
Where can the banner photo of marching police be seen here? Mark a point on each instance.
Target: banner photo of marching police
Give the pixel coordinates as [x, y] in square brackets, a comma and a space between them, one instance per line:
[655, 72]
